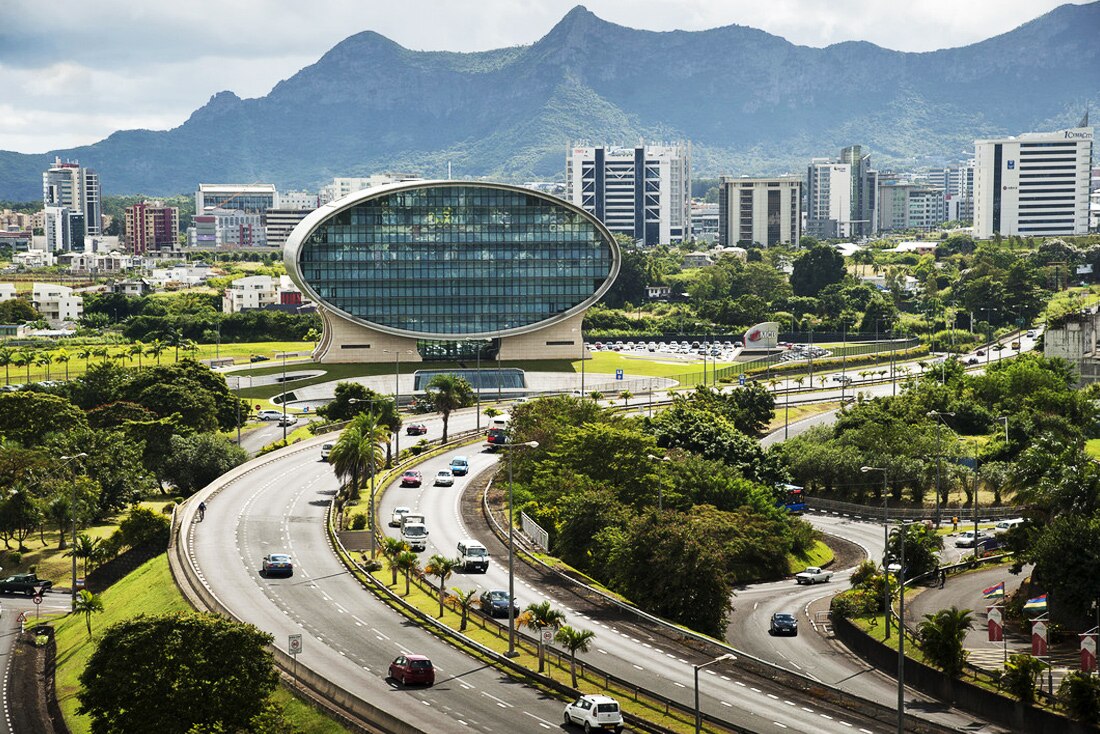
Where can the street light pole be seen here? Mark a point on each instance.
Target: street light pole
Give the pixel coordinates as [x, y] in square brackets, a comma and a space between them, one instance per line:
[939, 456]
[1005, 419]
[72, 510]
[885, 547]
[660, 489]
[512, 555]
[700, 666]
[901, 632]
[284, 397]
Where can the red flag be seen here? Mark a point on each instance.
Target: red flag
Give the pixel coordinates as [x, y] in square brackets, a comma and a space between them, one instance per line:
[996, 628]
[1039, 639]
[1088, 652]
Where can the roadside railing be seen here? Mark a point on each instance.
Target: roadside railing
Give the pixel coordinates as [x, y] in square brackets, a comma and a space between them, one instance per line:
[875, 512]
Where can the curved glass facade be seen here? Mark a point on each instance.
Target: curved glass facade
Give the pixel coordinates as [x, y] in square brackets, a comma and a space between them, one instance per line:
[456, 259]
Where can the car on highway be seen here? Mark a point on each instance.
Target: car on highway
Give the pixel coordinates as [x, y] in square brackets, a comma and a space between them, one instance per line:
[326, 450]
[408, 669]
[258, 358]
[813, 575]
[494, 602]
[411, 478]
[25, 583]
[966, 538]
[980, 352]
[398, 513]
[972, 360]
[444, 478]
[1005, 525]
[460, 466]
[287, 420]
[416, 429]
[275, 563]
[1030, 334]
[595, 713]
[783, 623]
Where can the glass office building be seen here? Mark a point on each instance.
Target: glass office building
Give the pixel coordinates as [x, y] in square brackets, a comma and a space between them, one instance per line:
[408, 264]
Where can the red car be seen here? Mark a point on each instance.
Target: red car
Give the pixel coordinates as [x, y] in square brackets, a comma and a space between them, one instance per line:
[412, 669]
[416, 429]
[411, 478]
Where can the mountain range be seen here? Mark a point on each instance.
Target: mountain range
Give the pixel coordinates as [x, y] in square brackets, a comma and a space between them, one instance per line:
[748, 101]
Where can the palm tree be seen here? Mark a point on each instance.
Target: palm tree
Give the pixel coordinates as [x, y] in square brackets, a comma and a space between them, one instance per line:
[87, 603]
[491, 412]
[824, 380]
[626, 395]
[44, 359]
[191, 347]
[6, 354]
[155, 349]
[441, 567]
[573, 640]
[136, 350]
[85, 548]
[408, 563]
[23, 358]
[391, 549]
[941, 639]
[800, 381]
[85, 353]
[463, 601]
[102, 352]
[449, 392]
[359, 450]
[596, 395]
[773, 383]
[63, 357]
[539, 616]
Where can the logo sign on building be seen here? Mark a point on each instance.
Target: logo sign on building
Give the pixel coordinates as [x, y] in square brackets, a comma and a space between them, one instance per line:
[1039, 639]
[1088, 652]
[1011, 165]
[618, 374]
[762, 336]
[996, 627]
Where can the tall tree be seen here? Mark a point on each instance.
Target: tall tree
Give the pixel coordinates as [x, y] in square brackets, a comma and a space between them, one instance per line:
[441, 567]
[170, 673]
[448, 393]
[574, 640]
[539, 616]
[816, 268]
[941, 639]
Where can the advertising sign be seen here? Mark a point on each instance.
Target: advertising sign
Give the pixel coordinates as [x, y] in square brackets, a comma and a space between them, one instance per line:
[996, 628]
[1039, 639]
[1088, 652]
[762, 336]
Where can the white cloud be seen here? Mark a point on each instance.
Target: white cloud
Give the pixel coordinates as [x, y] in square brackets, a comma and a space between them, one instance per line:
[120, 64]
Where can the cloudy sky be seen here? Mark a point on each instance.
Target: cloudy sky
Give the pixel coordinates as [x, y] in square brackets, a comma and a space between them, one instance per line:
[74, 71]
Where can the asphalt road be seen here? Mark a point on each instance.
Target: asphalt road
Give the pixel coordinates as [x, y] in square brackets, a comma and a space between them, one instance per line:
[11, 605]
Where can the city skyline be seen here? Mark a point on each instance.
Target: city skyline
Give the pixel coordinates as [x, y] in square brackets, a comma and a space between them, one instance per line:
[74, 78]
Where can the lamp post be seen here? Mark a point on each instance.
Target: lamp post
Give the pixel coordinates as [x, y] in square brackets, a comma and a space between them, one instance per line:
[512, 555]
[396, 398]
[989, 330]
[284, 397]
[939, 455]
[901, 631]
[660, 489]
[1005, 419]
[697, 668]
[886, 544]
[72, 510]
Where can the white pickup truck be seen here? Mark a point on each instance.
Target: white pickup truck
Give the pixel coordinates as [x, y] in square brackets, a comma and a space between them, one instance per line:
[813, 575]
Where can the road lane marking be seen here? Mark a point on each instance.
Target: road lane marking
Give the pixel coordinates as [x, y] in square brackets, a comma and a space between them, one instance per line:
[500, 702]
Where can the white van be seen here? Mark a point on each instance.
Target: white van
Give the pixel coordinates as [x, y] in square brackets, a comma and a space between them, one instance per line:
[326, 449]
[472, 556]
[1006, 525]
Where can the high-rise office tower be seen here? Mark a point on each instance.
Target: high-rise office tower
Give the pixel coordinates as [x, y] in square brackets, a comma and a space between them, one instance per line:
[762, 211]
[72, 193]
[152, 226]
[842, 196]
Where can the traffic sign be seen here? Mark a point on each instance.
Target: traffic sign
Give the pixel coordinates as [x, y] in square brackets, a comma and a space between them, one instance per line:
[37, 598]
[741, 379]
[294, 645]
[618, 374]
[547, 636]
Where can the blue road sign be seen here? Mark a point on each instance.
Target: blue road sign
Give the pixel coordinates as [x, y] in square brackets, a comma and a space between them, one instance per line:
[618, 374]
[741, 379]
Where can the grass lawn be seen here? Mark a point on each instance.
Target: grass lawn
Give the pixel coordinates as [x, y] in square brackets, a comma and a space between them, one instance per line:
[797, 413]
[1092, 448]
[149, 590]
[819, 555]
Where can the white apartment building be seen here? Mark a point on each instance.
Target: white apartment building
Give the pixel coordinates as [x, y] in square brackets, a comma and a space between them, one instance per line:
[7, 291]
[251, 292]
[1034, 184]
[704, 221]
[228, 228]
[910, 206]
[306, 200]
[252, 198]
[281, 222]
[342, 186]
[761, 211]
[842, 196]
[68, 186]
[642, 192]
[56, 303]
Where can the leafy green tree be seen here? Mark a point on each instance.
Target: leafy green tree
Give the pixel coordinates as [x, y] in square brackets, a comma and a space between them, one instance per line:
[87, 603]
[574, 640]
[816, 268]
[441, 567]
[199, 459]
[463, 600]
[1070, 575]
[539, 616]
[85, 548]
[358, 451]
[941, 639]
[614, 455]
[170, 673]
[28, 417]
[391, 548]
[1079, 694]
[407, 563]
[18, 311]
[630, 285]
[447, 393]
[922, 548]
[20, 514]
[143, 526]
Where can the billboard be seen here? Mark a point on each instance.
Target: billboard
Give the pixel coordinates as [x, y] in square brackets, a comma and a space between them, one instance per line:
[762, 336]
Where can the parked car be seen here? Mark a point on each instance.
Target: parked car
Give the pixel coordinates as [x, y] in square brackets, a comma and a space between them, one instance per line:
[258, 358]
[398, 513]
[274, 563]
[411, 478]
[600, 713]
[444, 478]
[494, 602]
[409, 669]
[416, 429]
[24, 583]
[326, 450]
[783, 623]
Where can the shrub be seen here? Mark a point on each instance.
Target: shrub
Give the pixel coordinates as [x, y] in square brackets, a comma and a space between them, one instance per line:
[15, 558]
[854, 603]
[864, 571]
[167, 509]
[1079, 694]
[43, 640]
[358, 521]
[142, 526]
[1019, 676]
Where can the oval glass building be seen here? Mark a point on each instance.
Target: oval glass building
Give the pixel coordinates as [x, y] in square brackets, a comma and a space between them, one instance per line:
[421, 266]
